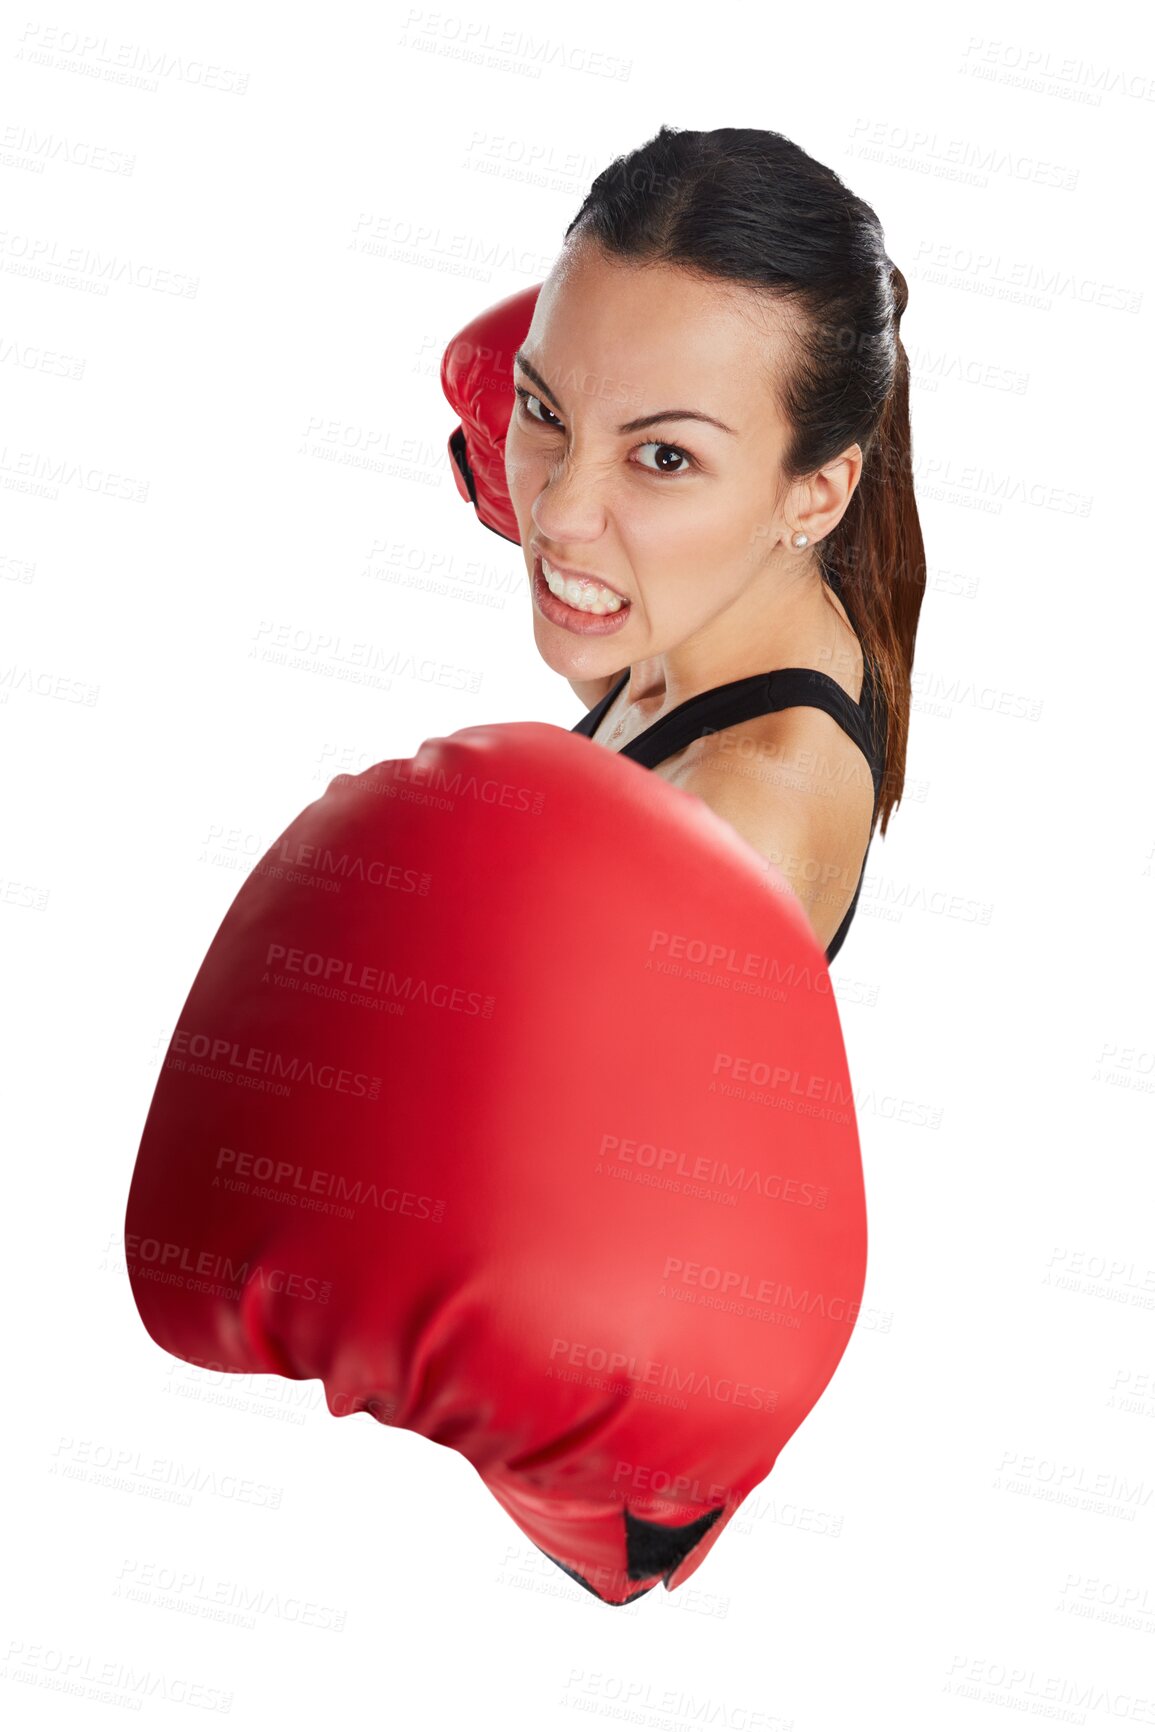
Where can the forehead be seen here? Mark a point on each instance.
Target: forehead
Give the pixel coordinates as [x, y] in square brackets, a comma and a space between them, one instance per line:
[627, 337]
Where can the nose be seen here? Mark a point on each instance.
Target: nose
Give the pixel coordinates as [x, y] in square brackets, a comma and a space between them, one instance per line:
[570, 508]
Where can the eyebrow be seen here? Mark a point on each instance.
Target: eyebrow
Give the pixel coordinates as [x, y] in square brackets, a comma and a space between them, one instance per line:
[628, 426]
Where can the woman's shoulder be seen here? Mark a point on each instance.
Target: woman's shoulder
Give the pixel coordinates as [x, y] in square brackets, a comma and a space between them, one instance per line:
[806, 745]
[800, 790]
[801, 753]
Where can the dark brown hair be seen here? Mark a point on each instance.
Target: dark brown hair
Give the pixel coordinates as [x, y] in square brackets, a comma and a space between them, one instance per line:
[751, 207]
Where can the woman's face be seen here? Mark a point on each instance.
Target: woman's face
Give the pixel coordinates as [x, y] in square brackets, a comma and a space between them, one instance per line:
[679, 517]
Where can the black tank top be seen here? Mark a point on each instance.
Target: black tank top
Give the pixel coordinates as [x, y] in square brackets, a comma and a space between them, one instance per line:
[757, 695]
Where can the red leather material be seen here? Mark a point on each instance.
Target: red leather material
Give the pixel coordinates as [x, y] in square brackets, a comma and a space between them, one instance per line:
[477, 379]
[511, 1101]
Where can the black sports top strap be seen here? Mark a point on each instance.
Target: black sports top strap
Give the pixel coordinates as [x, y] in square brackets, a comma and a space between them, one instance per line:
[741, 701]
[591, 721]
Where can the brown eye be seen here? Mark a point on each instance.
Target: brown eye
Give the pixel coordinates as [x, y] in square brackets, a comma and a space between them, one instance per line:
[676, 451]
[525, 398]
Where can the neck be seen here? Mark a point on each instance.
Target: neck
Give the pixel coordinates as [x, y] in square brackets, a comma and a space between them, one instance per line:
[797, 622]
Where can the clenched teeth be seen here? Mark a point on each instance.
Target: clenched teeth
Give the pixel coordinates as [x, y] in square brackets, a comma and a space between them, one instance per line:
[586, 597]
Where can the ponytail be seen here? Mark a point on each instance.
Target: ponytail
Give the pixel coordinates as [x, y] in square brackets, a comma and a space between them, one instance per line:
[878, 555]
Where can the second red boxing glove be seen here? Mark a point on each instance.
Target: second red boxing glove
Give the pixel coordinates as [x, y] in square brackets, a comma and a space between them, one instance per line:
[477, 378]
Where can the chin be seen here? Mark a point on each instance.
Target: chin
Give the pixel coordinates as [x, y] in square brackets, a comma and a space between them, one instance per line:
[579, 663]
[553, 653]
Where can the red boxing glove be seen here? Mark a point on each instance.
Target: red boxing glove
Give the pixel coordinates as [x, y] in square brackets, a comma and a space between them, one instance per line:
[477, 378]
[541, 1147]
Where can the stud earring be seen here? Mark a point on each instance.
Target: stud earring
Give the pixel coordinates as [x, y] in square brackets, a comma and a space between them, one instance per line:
[801, 540]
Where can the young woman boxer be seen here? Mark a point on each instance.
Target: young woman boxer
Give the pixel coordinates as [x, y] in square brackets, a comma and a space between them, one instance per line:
[709, 466]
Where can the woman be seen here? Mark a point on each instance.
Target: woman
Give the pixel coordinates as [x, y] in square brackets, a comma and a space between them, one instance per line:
[709, 464]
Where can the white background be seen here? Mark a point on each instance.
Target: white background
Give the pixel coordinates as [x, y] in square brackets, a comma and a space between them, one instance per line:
[961, 1533]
